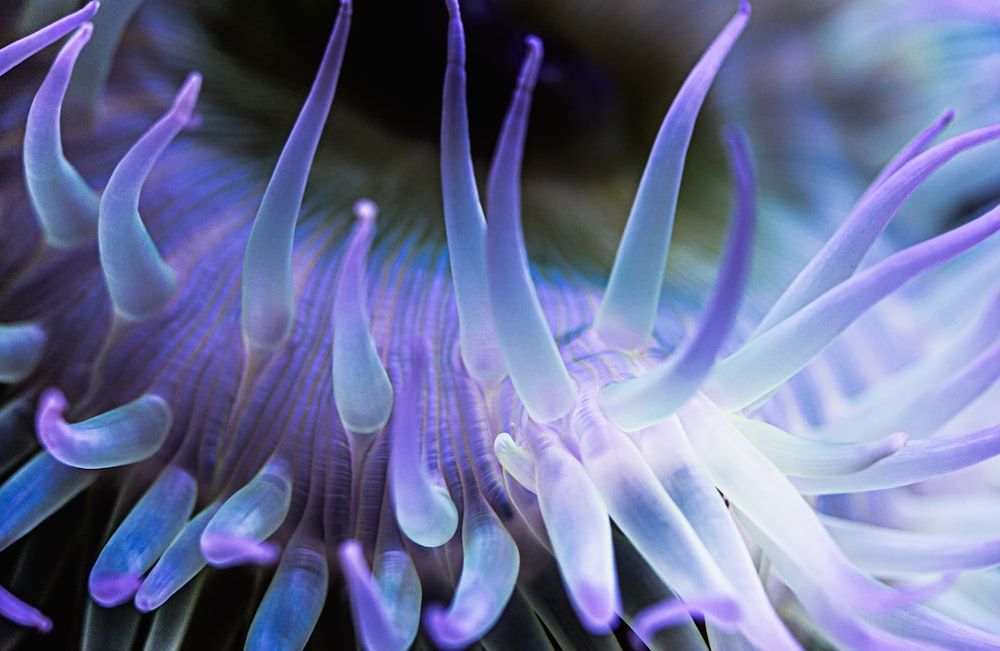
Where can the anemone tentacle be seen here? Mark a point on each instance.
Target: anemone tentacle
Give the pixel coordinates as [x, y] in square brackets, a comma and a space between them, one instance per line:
[422, 424]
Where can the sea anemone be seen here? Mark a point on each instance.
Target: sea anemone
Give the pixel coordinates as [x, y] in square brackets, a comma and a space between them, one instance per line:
[209, 367]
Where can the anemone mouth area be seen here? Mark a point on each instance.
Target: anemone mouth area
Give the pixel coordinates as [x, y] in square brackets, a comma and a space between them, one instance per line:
[320, 390]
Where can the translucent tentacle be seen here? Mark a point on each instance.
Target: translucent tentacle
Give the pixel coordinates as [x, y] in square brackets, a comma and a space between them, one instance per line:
[139, 280]
[917, 461]
[361, 389]
[887, 552]
[179, 563]
[571, 505]
[21, 613]
[769, 360]
[237, 532]
[65, 205]
[516, 460]
[644, 400]
[628, 309]
[386, 606]
[121, 436]
[802, 457]
[647, 516]
[268, 291]
[293, 602]
[142, 537]
[529, 351]
[489, 571]
[844, 251]
[424, 509]
[21, 348]
[464, 220]
[95, 64]
[21, 49]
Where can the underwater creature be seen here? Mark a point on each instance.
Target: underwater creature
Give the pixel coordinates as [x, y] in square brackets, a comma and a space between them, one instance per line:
[228, 367]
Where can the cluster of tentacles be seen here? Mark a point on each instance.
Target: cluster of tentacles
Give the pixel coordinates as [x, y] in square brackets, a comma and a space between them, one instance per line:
[431, 426]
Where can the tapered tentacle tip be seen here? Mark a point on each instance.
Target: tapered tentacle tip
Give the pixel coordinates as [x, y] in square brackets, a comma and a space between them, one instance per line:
[187, 97]
[83, 33]
[365, 210]
[744, 9]
[90, 9]
[532, 62]
[222, 550]
[110, 590]
[21, 613]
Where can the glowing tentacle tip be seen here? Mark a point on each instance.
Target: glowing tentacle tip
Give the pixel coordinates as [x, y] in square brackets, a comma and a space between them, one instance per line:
[489, 571]
[119, 437]
[293, 602]
[362, 391]
[21, 348]
[515, 460]
[65, 205]
[642, 401]
[21, 613]
[142, 537]
[529, 351]
[268, 289]
[628, 309]
[21, 49]
[386, 607]
[236, 533]
[139, 280]
[465, 224]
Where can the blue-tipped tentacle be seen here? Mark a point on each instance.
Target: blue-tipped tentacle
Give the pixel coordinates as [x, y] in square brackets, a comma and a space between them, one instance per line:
[628, 309]
[528, 348]
[139, 280]
[65, 205]
[268, 290]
